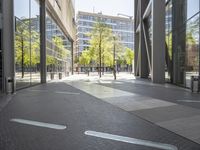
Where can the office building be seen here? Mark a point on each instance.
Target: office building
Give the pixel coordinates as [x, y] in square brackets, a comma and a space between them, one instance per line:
[37, 41]
[121, 26]
[167, 40]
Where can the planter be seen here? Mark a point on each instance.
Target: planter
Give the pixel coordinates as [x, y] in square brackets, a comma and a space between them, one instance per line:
[60, 75]
[52, 76]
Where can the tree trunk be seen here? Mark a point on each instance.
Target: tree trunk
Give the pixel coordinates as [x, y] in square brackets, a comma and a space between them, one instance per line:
[100, 56]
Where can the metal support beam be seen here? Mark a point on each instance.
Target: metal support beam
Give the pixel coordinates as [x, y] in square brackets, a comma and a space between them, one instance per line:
[148, 10]
[158, 41]
[43, 41]
[147, 47]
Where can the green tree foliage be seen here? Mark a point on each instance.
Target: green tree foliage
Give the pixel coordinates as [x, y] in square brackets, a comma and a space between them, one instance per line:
[100, 42]
[102, 45]
[85, 58]
[169, 44]
[60, 49]
[27, 47]
[129, 55]
[60, 52]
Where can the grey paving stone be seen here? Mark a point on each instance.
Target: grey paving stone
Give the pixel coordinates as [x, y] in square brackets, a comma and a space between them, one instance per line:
[187, 127]
[80, 113]
[138, 102]
[157, 115]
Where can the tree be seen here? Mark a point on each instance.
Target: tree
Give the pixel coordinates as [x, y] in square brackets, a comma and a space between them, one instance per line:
[85, 58]
[129, 55]
[101, 39]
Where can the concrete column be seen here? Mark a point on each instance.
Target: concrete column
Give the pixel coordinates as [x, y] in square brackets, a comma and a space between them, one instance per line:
[43, 41]
[72, 53]
[135, 38]
[158, 41]
[8, 42]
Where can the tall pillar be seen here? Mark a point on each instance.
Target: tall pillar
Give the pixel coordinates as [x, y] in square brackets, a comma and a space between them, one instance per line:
[8, 42]
[43, 41]
[136, 41]
[143, 69]
[72, 53]
[158, 41]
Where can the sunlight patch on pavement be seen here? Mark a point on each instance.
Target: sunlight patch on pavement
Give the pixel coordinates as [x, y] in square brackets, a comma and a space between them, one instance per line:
[99, 91]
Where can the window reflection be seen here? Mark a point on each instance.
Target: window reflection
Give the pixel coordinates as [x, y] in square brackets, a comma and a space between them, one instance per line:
[192, 50]
[59, 49]
[27, 43]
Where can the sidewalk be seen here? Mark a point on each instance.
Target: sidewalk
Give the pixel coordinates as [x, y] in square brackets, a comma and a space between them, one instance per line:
[58, 116]
[170, 107]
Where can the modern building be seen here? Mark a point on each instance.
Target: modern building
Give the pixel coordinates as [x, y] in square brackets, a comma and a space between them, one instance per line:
[36, 41]
[121, 26]
[167, 40]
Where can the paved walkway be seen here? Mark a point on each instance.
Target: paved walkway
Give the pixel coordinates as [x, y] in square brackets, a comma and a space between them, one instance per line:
[167, 106]
[70, 115]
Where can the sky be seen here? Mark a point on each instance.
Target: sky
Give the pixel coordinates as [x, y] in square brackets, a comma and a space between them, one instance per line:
[107, 7]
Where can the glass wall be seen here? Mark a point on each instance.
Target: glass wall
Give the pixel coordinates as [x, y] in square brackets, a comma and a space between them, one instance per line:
[27, 42]
[185, 40]
[168, 42]
[59, 51]
[1, 67]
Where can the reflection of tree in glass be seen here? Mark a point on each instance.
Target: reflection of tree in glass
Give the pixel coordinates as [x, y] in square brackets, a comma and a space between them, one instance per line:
[192, 38]
[60, 53]
[26, 46]
[169, 44]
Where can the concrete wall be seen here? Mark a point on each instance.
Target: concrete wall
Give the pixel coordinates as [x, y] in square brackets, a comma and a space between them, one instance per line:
[63, 13]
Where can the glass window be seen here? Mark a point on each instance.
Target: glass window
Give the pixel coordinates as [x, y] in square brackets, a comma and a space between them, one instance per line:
[1, 67]
[187, 56]
[168, 40]
[192, 50]
[27, 42]
[59, 49]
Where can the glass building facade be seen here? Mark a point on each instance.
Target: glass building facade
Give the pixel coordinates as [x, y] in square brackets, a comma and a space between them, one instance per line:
[27, 42]
[34, 46]
[59, 50]
[1, 61]
[182, 40]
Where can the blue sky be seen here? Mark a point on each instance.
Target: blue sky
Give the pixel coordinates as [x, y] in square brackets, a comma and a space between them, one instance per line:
[108, 7]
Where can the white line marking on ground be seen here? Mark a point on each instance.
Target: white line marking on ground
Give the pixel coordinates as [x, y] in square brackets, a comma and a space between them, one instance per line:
[189, 101]
[39, 124]
[69, 93]
[57, 92]
[131, 140]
